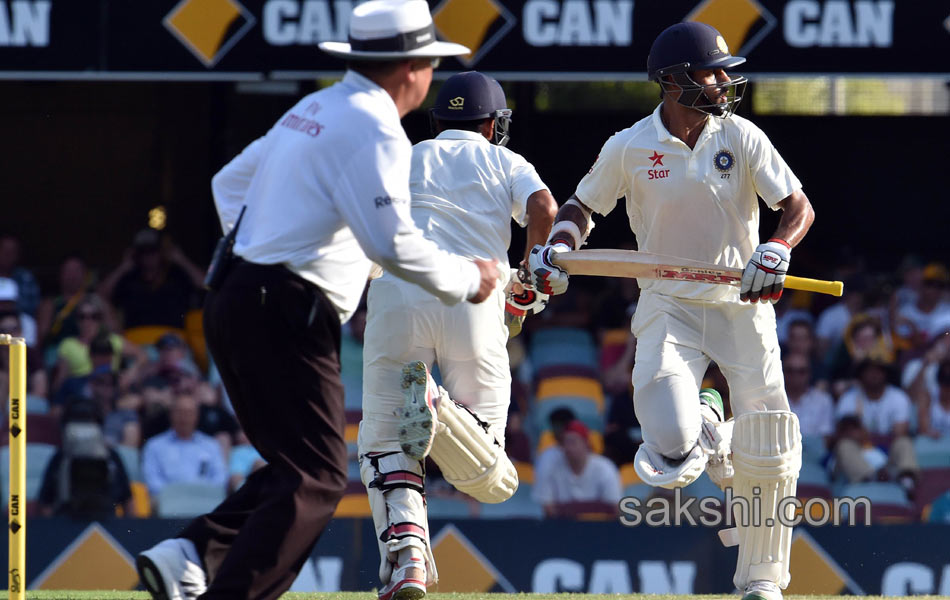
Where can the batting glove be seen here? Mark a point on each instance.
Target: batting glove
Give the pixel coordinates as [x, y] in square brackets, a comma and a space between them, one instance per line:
[547, 277]
[764, 275]
[519, 305]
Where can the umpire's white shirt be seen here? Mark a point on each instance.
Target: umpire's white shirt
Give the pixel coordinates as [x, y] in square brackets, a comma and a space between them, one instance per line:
[326, 192]
[698, 203]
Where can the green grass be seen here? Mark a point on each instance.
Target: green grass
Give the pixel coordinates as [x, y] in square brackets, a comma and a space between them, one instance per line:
[100, 595]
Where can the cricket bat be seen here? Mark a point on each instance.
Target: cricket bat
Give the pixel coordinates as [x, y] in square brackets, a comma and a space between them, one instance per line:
[631, 263]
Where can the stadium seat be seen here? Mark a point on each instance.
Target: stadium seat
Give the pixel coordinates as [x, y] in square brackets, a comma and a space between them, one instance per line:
[641, 491]
[813, 474]
[549, 356]
[561, 336]
[570, 370]
[519, 506]
[37, 458]
[131, 460]
[629, 475]
[147, 335]
[351, 372]
[889, 503]
[932, 452]
[36, 405]
[581, 387]
[612, 346]
[525, 472]
[195, 337]
[187, 500]
[933, 482]
[813, 449]
[440, 507]
[354, 503]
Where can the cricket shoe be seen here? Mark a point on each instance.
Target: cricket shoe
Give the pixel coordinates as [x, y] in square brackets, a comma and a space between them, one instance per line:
[171, 570]
[417, 417]
[762, 590]
[408, 582]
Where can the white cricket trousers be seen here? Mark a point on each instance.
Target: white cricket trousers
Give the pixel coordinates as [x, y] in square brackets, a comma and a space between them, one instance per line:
[468, 341]
[676, 339]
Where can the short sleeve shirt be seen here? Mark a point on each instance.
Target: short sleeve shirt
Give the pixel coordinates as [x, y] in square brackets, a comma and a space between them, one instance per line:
[699, 203]
[878, 416]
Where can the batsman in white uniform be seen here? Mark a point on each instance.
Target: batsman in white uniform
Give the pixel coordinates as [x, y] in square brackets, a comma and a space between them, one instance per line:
[692, 174]
[465, 188]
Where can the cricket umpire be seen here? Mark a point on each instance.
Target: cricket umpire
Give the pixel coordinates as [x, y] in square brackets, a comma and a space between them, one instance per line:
[326, 192]
[692, 174]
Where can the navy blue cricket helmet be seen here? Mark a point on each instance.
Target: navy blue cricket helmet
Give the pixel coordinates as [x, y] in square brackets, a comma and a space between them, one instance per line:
[692, 46]
[471, 96]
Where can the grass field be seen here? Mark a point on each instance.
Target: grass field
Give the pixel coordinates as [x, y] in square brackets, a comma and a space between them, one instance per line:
[102, 595]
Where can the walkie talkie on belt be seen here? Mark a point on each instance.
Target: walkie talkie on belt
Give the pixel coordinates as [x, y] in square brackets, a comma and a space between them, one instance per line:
[223, 257]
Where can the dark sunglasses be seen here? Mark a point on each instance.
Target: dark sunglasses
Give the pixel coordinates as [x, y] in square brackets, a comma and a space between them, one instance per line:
[93, 316]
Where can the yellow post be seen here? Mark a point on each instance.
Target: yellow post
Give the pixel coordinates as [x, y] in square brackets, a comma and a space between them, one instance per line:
[17, 501]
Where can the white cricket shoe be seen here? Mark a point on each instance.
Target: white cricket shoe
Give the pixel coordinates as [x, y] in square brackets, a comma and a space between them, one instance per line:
[417, 417]
[408, 582]
[762, 590]
[171, 570]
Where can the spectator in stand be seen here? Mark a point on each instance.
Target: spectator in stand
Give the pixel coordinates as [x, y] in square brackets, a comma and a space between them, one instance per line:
[154, 284]
[157, 399]
[182, 454]
[9, 303]
[884, 412]
[863, 338]
[800, 339]
[933, 410]
[919, 377]
[791, 308]
[814, 407]
[56, 317]
[911, 272]
[174, 363]
[29, 297]
[74, 356]
[559, 420]
[244, 460]
[930, 314]
[122, 426]
[86, 478]
[577, 475]
[213, 418]
[36, 380]
[833, 321]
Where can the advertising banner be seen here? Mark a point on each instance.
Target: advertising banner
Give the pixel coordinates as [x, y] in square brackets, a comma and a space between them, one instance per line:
[531, 556]
[511, 39]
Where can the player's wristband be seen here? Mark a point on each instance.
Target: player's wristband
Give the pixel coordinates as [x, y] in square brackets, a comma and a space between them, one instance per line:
[781, 241]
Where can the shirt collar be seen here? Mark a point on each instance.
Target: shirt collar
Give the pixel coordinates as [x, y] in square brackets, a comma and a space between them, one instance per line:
[712, 126]
[461, 134]
[365, 84]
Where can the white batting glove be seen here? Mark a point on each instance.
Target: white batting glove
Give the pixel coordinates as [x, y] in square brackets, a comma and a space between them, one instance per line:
[764, 275]
[547, 277]
[521, 300]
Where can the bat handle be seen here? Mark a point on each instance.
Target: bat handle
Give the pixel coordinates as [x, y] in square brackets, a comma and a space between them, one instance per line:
[833, 288]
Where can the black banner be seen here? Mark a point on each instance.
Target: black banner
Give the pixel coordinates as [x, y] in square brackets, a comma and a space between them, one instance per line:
[530, 556]
[512, 39]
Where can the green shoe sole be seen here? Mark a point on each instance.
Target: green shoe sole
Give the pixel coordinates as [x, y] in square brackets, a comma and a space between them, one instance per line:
[712, 399]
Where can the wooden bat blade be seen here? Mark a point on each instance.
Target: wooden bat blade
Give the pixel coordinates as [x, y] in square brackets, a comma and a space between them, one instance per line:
[631, 263]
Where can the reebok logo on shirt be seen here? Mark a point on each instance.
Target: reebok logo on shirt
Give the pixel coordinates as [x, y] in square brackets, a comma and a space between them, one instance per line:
[382, 201]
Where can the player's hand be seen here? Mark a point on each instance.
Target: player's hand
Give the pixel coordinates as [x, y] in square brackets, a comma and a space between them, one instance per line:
[764, 276]
[547, 277]
[521, 300]
[489, 279]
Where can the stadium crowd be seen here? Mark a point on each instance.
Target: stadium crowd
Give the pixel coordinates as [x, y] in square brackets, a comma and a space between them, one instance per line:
[127, 416]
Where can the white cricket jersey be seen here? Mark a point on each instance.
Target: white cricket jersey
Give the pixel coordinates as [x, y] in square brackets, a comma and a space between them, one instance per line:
[466, 189]
[327, 191]
[699, 203]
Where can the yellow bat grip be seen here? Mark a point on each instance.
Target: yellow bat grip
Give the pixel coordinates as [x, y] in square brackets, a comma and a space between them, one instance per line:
[833, 288]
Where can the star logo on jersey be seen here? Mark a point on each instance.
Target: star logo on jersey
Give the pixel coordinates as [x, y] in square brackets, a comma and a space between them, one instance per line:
[724, 160]
[657, 159]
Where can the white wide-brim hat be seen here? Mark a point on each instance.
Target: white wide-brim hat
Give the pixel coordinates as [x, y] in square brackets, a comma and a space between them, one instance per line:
[392, 29]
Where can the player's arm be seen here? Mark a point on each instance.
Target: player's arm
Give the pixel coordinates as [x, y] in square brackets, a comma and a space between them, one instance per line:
[541, 209]
[764, 275]
[571, 227]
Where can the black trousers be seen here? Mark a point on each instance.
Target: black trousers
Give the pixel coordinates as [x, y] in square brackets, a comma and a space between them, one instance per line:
[276, 340]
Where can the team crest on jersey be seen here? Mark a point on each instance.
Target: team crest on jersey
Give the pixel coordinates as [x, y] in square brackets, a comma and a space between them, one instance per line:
[724, 160]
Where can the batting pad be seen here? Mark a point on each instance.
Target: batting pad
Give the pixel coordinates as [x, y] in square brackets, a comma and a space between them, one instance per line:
[471, 459]
[394, 484]
[766, 456]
